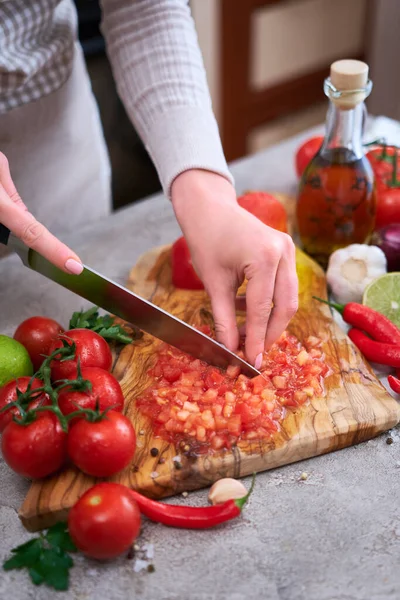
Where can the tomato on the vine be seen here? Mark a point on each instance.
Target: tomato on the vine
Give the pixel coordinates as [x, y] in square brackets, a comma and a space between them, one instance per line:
[385, 162]
[381, 160]
[91, 349]
[8, 394]
[105, 521]
[306, 152]
[388, 207]
[266, 208]
[106, 390]
[183, 274]
[102, 448]
[35, 450]
[37, 334]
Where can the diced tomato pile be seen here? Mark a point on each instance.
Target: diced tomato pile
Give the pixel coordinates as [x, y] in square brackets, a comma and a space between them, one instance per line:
[200, 405]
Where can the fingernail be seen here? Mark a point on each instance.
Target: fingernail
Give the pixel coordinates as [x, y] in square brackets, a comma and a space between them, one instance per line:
[258, 362]
[73, 266]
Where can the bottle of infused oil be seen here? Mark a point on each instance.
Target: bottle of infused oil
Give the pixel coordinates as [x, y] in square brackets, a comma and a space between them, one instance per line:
[336, 201]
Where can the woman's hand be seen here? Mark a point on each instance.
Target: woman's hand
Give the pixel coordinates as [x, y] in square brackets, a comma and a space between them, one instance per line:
[15, 216]
[227, 245]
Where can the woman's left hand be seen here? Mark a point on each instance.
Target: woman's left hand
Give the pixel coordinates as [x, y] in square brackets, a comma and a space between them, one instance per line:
[228, 245]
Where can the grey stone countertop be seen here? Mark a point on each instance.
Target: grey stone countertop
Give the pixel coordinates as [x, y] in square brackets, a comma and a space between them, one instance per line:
[334, 536]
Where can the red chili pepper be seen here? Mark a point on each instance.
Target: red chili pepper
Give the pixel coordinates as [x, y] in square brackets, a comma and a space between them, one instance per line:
[378, 352]
[191, 517]
[394, 383]
[369, 320]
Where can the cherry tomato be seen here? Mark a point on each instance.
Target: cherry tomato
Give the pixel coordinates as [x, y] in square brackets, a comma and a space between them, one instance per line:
[105, 389]
[266, 208]
[382, 163]
[35, 450]
[91, 348]
[102, 448]
[36, 334]
[388, 207]
[183, 274]
[105, 521]
[306, 152]
[8, 393]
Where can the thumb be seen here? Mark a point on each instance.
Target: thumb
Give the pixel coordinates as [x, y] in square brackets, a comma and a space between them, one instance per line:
[223, 309]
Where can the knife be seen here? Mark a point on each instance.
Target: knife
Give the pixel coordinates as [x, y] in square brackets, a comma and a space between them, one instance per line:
[123, 303]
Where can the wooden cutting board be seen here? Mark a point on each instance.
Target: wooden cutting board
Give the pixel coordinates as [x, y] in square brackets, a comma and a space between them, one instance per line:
[355, 408]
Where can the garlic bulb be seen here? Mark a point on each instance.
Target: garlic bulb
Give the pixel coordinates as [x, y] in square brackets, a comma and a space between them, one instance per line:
[351, 269]
[226, 489]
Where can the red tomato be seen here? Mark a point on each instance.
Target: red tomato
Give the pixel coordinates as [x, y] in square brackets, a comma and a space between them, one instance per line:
[105, 389]
[306, 152]
[105, 521]
[35, 450]
[36, 334]
[382, 163]
[388, 207]
[102, 448]
[266, 208]
[388, 193]
[183, 274]
[91, 348]
[8, 393]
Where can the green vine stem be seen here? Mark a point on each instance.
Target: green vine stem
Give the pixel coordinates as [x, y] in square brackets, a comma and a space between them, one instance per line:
[395, 182]
[66, 352]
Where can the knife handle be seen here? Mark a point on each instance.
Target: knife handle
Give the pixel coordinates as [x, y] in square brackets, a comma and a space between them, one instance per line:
[4, 234]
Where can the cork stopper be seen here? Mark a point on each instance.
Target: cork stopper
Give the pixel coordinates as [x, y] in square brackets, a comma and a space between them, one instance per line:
[351, 78]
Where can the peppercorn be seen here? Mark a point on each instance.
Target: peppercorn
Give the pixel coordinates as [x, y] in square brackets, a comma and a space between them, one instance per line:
[154, 451]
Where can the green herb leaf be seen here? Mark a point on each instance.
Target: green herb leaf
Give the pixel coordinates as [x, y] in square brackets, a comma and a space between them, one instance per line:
[24, 556]
[58, 536]
[58, 578]
[46, 558]
[36, 577]
[54, 558]
[115, 333]
[104, 326]
[83, 320]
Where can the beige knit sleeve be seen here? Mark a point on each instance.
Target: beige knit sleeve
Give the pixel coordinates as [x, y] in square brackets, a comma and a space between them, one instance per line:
[159, 72]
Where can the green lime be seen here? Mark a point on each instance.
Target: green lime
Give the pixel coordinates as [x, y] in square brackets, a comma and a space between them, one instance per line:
[14, 360]
[383, 295]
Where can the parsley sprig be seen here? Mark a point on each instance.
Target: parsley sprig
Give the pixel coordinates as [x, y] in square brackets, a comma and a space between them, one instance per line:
[46, 557]
[103, 325]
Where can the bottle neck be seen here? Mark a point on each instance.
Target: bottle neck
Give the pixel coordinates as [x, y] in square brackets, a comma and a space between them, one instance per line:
[344, 129]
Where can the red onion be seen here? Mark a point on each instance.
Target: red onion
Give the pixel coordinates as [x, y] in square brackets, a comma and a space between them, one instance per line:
[388, 240]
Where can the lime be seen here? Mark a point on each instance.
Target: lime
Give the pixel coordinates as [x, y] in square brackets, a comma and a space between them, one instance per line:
[383, 295]
[14, 360]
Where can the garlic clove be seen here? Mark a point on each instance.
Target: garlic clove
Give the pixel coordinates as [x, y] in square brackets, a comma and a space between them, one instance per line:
[226, 489]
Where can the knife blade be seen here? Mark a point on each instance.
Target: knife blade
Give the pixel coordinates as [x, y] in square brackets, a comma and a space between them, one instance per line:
[127, 305]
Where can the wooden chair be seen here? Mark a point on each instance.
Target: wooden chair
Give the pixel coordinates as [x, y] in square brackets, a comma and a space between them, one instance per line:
[243, 108]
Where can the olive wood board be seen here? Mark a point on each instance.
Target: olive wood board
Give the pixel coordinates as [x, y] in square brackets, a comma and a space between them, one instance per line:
[356, 406]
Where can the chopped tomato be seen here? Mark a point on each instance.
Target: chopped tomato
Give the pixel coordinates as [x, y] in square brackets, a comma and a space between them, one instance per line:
[205, 407]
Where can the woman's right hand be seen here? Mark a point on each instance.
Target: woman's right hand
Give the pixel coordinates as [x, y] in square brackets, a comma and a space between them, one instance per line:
[15, 215]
